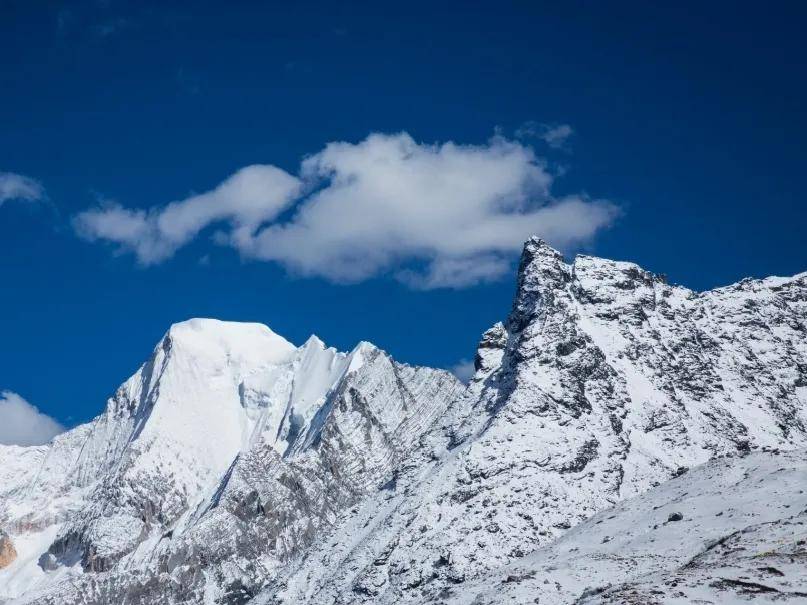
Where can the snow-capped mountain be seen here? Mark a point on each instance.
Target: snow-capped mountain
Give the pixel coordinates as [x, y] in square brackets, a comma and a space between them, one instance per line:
[219, 459]
[234, 465]
[604, 382]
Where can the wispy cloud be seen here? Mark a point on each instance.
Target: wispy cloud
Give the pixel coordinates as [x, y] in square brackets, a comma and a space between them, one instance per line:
[23, 424]
[18, 187]
[554, 135]
[435, 215]
[464, 370]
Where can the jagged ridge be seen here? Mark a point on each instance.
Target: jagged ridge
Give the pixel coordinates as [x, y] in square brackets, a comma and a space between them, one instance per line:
[604, 382]
[326, 477]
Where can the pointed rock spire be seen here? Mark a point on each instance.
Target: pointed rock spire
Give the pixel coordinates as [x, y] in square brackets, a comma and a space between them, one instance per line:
[541, 271]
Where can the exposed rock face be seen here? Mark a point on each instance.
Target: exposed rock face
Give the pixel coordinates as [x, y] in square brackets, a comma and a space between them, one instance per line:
[233, 466]
[7, 552]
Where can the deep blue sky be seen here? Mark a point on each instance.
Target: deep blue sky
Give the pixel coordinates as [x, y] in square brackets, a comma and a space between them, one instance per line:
[690, 117]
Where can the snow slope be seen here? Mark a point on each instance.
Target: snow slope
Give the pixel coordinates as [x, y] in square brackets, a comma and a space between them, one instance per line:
[742, 533]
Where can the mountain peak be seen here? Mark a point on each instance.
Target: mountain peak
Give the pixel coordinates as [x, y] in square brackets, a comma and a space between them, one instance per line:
[314, 341]
[249, 342]
[540, 262]
[537, 249]
[541, 271]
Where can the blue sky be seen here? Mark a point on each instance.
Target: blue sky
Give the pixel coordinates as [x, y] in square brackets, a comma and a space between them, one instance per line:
[678, 131]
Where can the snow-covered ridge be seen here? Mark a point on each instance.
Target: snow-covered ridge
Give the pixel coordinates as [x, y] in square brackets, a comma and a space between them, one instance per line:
[604, 382]
[234, 465]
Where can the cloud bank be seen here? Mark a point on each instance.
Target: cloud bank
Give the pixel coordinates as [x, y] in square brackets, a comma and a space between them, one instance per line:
[19, 187]
[22, 424]
[442, 215]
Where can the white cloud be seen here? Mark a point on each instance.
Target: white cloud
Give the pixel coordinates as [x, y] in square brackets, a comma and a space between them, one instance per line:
[443, 215]
[245, 200]
[463, 369]
[19, 187]
[22, 424]
[456, 272]
[554, 135]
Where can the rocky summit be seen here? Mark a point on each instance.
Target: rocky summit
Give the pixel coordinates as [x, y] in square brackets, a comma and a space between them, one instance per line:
[623, 440]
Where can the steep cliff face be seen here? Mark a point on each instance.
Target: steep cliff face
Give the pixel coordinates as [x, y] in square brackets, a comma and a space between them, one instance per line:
[234, 466]
[604, 382]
